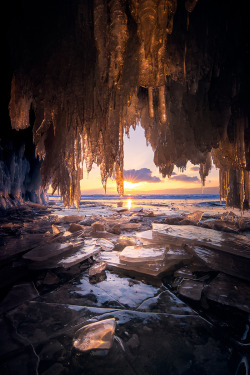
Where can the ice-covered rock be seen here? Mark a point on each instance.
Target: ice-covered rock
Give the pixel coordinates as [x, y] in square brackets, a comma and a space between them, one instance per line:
[98, 335]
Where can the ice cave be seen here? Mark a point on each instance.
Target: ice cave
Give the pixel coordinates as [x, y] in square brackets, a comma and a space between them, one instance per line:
[79, 74]
[107, 288]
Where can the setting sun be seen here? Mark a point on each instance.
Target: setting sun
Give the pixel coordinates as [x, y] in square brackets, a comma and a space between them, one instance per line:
[128, 185]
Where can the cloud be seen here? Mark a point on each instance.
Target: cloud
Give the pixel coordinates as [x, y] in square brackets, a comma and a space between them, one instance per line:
[140, 175]
[185, 178]
[194, 169]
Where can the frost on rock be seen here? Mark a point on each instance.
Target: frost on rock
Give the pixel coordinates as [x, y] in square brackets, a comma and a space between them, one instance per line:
[130, 62]
[99, 335]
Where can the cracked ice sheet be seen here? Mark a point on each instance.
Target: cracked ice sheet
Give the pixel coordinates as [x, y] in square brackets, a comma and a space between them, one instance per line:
[175, 344]
[181, 234]
[114, 292]
[39, 322]
[166, 302]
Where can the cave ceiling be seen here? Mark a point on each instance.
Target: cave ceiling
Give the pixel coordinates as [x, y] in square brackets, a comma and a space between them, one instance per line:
[83, 72]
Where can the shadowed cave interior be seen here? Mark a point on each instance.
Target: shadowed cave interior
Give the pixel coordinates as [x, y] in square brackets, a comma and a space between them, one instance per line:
[106, 285]
[79, 74]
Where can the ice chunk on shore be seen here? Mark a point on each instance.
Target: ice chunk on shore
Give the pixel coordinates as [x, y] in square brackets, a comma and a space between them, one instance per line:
[99, 335]
[136, 209]
[97, 268]
[142, 254]
[182, 234]
[153, 261]
[105, 245]
[86, 251]
[47, 251]
[193, 218]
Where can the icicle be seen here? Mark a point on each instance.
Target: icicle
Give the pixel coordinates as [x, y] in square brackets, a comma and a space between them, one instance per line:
[162, 105]
[150, 102]
[184, 62]
[190, 5]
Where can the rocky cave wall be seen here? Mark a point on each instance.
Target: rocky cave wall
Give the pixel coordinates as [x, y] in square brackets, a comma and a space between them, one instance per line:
[81, 73]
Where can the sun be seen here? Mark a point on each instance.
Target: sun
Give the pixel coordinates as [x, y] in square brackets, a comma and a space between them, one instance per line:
[129, 185]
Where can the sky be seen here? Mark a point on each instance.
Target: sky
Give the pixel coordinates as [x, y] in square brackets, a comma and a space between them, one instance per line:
[139, 167]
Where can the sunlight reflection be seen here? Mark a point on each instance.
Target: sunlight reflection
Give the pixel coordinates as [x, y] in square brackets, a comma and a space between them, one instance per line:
[129, 203]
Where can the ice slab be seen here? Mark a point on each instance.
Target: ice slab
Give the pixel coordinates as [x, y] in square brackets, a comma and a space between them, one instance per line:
[184, 272]
[148, 267]
[83, 293]
[130, 226]
[105, 244]
[113, 292]
[40, 322]
[18, 295]
[71, 218]
[85, 252]
[181, 234]
[136, 209]
[19, 245]
[47, 251]
[191, 289]
[99, 335]
[165, 302]
[220, 261]
[141, 254]
[193, 218]
[229, 291]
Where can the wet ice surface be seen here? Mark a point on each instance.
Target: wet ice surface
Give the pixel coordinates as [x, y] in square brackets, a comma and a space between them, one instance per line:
[113, 297]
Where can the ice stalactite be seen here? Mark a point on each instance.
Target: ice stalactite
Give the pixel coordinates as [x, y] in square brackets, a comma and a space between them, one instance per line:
[230, 158]
[20, 102]
[190, 5]
[205, 168]
[154, 20]
[120, 63]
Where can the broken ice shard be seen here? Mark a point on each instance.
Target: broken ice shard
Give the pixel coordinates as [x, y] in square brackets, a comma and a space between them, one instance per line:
[97, 268]
[106, 245]
[142, 254]
[99, 335]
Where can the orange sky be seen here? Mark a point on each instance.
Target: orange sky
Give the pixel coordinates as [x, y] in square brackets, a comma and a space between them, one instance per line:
[138, 156]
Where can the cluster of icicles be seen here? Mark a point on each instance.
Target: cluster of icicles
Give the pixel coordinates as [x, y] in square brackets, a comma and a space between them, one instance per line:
[83, 109]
